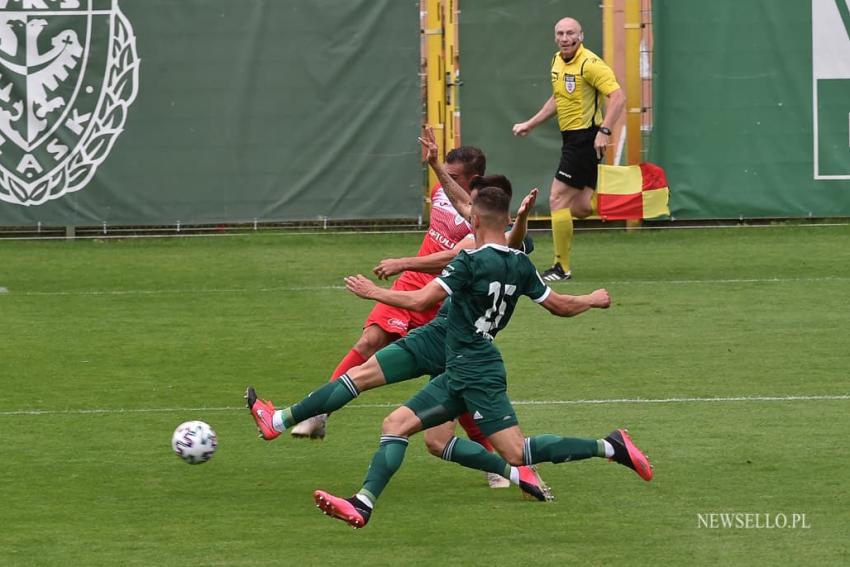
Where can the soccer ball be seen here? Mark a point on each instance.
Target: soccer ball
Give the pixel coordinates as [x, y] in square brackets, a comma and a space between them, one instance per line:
[194, 442]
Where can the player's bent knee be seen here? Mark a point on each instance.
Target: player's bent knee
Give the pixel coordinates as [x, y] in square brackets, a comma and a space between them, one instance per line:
[514, 460]
[438, 437]
[368, 375]
[556, 203]
[392, 424]
[402, 422]
[513, 455]
[371, 341]
[580, 211]
[435, 445]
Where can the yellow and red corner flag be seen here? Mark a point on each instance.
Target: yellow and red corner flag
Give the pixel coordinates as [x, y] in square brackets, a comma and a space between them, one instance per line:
[632, 192]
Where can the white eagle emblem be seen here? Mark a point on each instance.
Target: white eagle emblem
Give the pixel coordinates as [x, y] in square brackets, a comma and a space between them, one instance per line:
[68, 73]
[43, 72]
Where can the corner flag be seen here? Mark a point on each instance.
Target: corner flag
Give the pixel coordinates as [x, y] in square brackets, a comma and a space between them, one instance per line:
[632, 192]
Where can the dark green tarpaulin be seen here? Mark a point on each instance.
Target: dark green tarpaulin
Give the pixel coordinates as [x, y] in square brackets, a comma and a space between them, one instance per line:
[250, 109]
[735, 107]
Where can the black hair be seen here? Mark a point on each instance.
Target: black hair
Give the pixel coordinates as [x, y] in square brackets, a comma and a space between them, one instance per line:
[492, 180]
[491, 201]
[471, 157]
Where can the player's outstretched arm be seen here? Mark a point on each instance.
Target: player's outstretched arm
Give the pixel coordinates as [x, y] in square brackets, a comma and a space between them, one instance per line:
[516, 236]
[571, 305]
[459, 198]
[416, 300]
[428, 264]
[545, 113]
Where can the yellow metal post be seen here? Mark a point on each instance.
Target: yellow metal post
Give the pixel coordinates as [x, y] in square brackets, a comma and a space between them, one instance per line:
[634, 87]
[450, 54]
[633, 82]
[435, 78]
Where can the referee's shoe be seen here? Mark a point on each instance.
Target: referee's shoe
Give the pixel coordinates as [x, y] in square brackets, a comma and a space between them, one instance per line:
[556, 274]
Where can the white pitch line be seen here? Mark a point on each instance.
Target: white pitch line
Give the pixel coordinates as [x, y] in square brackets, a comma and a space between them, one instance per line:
[109, 411]
[728, 281]
[685, 400]
[180, 291]
[105, 292]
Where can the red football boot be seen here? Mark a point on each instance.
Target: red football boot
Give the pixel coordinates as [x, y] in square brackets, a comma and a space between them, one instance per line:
[350, 510]
[627, 454]
[532, 485]
[262, 411]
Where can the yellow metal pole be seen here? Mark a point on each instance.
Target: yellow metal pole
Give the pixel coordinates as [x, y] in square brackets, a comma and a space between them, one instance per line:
[436, 79]
[633, 82]
[450, 54]
[633, 88]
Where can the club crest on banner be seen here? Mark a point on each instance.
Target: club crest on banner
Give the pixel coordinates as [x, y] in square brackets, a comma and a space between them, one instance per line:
[69, 71]
[570, 83]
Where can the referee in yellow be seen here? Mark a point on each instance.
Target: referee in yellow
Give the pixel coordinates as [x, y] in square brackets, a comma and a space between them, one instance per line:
[581, 82]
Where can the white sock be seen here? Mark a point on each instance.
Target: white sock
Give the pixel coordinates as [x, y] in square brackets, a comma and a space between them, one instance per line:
[514, 475]
[277, 421]
[609, 449]
[365, 500]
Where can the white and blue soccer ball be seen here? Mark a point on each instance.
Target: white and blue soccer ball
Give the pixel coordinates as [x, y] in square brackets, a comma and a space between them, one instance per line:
[194, 442]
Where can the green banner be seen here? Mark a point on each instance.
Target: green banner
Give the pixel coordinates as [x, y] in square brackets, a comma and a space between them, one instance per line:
[151, 112]
[506, 53]
[752, 107]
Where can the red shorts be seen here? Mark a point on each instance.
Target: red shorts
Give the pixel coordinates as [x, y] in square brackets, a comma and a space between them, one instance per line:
[397, 321]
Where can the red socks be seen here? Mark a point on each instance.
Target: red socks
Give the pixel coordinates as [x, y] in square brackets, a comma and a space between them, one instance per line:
[352, 359]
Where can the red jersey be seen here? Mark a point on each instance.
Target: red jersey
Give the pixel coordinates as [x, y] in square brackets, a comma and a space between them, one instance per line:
[446, 229]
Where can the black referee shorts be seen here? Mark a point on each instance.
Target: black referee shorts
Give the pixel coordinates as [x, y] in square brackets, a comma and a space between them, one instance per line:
[578, 158]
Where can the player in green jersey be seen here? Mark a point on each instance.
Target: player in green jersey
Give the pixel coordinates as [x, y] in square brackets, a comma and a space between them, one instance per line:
[421, 352]
[485, 284]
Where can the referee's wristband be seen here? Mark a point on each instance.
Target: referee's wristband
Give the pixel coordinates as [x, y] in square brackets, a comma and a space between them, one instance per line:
[604, 130]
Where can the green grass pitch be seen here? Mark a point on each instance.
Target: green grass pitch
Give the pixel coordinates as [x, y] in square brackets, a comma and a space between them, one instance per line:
[108, 345]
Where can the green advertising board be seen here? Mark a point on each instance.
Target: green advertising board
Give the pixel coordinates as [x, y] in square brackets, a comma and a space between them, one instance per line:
[150, 112]
[752, 107]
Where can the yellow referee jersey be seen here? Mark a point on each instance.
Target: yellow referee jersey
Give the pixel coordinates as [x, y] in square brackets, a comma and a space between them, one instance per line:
[579, 86]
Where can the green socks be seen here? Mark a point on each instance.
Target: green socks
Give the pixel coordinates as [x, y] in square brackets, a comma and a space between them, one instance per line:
[472, 455]
[539, 449]
[557, 449]
[329, 398]
[385, 462]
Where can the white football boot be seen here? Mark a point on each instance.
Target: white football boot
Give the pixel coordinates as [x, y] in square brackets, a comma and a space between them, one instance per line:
[312, 428]
[497, 481]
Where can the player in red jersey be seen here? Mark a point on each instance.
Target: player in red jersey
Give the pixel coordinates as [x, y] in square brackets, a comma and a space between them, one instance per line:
[385, 324]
